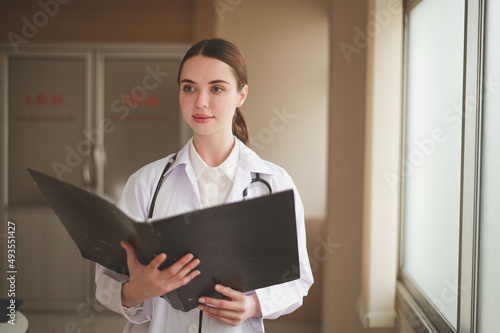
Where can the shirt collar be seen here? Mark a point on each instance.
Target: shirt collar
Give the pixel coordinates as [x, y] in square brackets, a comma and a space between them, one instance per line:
[228, 166]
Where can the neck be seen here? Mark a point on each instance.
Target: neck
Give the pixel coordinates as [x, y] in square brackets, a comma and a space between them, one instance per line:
[214, 149]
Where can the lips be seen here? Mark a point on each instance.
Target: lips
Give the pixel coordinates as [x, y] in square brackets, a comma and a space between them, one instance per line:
[202, 118]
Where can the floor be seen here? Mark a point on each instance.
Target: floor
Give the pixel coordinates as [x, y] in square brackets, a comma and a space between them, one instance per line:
[88, 322]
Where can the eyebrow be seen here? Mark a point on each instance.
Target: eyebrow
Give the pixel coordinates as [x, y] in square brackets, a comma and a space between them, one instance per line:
[218, 81]
[211, 82]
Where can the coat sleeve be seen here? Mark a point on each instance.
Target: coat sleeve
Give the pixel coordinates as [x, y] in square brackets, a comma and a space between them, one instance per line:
[108, 283]
[284, 298]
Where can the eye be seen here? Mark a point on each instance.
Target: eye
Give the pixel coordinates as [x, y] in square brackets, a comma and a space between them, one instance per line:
[188, 88]
[217, 89]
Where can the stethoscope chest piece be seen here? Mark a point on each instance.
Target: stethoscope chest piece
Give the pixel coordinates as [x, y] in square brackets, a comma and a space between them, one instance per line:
[258, 186]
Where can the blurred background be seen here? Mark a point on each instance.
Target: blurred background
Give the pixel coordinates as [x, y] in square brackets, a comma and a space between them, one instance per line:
[73, 64]
[89, 94]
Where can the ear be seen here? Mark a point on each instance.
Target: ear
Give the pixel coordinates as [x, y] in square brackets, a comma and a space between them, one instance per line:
[242, 95]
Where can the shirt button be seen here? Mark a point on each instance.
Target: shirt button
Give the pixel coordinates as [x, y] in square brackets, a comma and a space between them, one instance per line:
[192, 328]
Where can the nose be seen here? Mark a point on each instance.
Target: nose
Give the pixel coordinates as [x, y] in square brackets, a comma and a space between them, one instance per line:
[202, 100]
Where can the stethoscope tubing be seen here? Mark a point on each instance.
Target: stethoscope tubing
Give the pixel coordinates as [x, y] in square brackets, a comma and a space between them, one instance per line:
[169, 164]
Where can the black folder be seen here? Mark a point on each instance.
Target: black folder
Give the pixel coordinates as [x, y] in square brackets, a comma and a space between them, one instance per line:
[246, 245]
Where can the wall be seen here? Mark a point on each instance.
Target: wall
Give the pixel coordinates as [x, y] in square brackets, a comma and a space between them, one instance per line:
[286, 54]
[382, 158]
[346, 145]
[93, 21]
[345, 170]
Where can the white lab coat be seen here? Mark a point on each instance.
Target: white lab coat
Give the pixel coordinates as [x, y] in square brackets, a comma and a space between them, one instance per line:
[179, 194]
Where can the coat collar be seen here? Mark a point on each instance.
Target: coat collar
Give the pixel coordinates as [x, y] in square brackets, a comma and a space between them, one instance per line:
[249, 161]
[248, 165]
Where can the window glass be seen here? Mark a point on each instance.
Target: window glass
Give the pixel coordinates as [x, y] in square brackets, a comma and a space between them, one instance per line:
[432, 159]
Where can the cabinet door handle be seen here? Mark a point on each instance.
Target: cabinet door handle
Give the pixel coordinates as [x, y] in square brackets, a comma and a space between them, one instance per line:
[90, 167]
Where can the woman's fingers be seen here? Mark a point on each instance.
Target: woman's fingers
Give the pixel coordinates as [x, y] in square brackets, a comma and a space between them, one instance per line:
[132, 261]
[182, 266]
[236, 301]
[157, 261]
[224, 316]
[189, 267]
[233, 302]
[232, 311]
[179, 281]
[147, 281]
[178, 274]
[228, 292]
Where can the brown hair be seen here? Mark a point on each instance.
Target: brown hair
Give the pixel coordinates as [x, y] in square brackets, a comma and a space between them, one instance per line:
[227, 52]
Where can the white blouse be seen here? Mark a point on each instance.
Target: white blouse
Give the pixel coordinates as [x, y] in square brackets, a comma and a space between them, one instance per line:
[214, 182]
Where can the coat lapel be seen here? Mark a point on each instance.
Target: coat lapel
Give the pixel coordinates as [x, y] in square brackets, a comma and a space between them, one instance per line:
[248, 165]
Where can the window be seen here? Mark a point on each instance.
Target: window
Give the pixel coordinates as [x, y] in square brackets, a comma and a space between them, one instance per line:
[450, 188]
[431, 165]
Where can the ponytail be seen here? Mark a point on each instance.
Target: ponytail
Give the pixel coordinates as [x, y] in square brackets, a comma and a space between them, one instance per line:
[240, 129]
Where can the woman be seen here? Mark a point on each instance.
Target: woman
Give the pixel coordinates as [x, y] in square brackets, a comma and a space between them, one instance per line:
[213, 168]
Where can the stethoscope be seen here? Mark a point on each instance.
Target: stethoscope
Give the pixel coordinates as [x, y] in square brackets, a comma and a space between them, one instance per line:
[255, 180]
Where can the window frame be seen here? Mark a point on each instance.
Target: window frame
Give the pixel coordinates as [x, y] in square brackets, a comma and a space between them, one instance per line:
[420, 313]
[471, 166]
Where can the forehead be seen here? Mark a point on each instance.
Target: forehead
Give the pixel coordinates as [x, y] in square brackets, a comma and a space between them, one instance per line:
[204, 69]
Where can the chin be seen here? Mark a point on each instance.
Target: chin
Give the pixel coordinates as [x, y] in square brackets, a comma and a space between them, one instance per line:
[201, 131]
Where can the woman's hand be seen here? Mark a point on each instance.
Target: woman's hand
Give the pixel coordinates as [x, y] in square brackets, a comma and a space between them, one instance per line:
[232, 311]
[148, 281]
